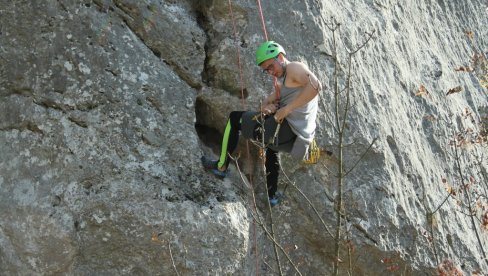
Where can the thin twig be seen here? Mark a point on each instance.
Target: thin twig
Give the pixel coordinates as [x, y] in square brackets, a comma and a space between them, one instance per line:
[362, 156]
[265, 229]
[172, 260]
[469, 203]
[340, 179]
[440, 205]
[370, 36]
[309, 203]
[326, 113]
[275, 245]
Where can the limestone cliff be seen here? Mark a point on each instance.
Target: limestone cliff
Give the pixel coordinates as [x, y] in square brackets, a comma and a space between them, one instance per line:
[107, 105]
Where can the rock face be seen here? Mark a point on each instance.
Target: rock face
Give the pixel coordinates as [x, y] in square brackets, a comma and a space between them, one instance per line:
[99, 153]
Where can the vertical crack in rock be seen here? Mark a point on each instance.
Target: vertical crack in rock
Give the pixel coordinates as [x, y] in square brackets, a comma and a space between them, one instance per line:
[208, 135]
[221, 78]
[204, 25]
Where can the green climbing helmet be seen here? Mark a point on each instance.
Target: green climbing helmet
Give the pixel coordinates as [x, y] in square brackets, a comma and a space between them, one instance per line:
[267, 50]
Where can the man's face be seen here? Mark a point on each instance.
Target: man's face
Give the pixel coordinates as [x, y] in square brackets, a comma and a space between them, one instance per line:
[270, 66]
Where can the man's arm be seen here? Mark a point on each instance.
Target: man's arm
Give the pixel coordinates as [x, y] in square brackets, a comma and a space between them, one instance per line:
[269, 104]
[271, 98]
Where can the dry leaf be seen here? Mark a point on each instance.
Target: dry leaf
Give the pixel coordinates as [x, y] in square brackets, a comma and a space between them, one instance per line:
[454, 90]
[479, 204]
[484, 83]
[421, 91]
[393, 268]
[484, 222]
[464, 69]
[451, 190]
[470, 35]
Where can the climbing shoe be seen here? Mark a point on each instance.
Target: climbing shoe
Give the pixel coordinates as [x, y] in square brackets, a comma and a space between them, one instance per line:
[273, 201]
[219, 173]
[276, 199]
[211, 165]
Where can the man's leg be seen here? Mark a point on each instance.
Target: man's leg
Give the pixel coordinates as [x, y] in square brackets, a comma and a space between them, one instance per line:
[230, 138]
[272, 171]
[229, 144]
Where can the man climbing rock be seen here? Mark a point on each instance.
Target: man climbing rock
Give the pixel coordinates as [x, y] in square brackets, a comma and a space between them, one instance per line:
[286, 120]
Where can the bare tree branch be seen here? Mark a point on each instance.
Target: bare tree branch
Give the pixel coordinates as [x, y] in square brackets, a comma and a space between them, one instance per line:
[172, 260]
[269, 234]
[309, 203]
[469, 203]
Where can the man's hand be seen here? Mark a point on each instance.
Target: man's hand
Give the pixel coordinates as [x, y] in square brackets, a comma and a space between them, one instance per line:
[268, 109]
[281, 114]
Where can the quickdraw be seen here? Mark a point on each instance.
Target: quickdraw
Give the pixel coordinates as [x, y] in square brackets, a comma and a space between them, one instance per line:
[313, 154]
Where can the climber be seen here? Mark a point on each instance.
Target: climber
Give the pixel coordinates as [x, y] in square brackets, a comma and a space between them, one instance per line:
[287, 117]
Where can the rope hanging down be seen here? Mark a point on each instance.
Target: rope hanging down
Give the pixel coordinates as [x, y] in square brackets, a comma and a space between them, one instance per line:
[262, 20]
[265, 34]
[243, 102]
[244, 107]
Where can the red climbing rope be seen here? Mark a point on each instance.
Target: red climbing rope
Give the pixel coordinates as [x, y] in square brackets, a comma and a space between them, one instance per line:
[243, 102]
[265, 34]
[244, 107]
[262, 20]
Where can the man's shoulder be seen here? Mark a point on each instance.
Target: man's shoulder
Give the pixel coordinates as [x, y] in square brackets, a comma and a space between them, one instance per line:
[297, 64]
[296, 67]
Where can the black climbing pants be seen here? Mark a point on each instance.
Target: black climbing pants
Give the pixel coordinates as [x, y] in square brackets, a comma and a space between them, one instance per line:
[251, 127]
[272, 171]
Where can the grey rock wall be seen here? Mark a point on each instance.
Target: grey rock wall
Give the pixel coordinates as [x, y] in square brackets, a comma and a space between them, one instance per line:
[99, 150]
[99, 166]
